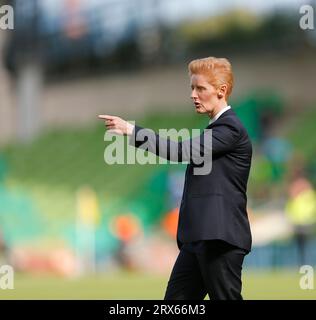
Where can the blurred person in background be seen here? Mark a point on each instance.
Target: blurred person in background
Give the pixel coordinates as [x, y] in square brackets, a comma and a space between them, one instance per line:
[3, 250]
[213, 230]
[301, 211]
[126, 229]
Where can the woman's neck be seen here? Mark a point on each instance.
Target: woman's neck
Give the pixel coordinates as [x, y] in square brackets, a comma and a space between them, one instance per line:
[218, 109]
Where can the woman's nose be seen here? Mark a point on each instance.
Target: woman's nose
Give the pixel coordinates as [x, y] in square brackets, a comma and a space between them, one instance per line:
[193, 94]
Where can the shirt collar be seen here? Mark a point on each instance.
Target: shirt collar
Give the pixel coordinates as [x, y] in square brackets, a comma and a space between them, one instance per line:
[219, 114]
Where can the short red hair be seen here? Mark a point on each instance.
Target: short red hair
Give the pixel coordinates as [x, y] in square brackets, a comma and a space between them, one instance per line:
[217, 70]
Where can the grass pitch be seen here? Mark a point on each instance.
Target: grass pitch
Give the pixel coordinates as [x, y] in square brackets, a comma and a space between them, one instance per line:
[281, 284]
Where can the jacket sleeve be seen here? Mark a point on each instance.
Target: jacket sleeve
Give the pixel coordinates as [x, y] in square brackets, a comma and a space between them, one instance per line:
[220, 139]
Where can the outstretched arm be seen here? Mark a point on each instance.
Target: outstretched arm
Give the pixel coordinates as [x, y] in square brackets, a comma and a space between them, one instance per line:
[221, 139]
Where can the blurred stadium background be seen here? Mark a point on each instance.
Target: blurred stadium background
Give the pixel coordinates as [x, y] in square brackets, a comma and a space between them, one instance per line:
[73, 226]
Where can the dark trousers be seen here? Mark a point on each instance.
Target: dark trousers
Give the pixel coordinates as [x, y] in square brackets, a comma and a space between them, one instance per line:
[211, 267]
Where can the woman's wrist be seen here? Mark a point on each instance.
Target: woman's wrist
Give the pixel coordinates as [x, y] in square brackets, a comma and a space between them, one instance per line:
[129, 128]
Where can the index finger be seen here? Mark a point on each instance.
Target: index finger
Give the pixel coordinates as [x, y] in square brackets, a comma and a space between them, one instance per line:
[105, 117]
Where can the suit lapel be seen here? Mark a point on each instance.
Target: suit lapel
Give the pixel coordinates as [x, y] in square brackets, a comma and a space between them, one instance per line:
[222, 116]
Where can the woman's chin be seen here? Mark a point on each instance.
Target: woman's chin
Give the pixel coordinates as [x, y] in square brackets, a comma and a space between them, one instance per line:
[199, 110]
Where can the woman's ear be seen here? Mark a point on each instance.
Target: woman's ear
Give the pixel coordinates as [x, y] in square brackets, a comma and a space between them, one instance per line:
[222, 91]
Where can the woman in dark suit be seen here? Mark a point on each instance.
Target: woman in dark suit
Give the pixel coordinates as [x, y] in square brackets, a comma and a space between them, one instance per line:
[213, 229]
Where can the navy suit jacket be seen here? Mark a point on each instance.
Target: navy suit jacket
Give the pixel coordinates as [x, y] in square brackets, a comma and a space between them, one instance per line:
[214, 205]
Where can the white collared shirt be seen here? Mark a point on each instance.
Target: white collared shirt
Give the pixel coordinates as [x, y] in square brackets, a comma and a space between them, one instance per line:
[219, 114]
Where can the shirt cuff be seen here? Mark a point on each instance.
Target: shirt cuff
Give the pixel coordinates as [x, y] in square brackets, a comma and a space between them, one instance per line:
[132, 138]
